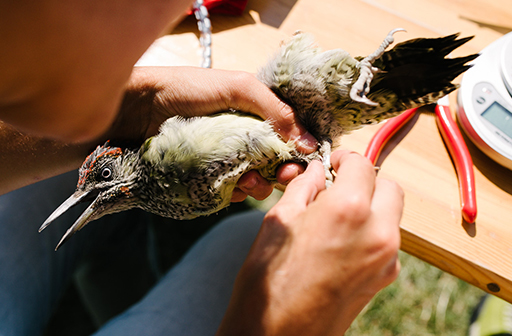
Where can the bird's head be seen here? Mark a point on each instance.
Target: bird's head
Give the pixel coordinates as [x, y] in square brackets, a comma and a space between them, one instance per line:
[108, 177]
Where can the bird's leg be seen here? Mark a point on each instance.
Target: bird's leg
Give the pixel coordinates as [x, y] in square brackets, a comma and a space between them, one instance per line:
[361, 87]
[325, 152]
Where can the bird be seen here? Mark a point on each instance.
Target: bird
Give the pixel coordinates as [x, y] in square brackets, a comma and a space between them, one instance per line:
[191, 167]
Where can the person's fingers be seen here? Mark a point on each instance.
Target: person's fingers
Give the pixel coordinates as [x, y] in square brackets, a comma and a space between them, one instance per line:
[387, 204]
[192, 92]
[304, 189]
[390, 271]
[253, 184]
[264, 103]
[355, 176]
[238, 196]
[388, 200]
[383, 230]
[287, 172]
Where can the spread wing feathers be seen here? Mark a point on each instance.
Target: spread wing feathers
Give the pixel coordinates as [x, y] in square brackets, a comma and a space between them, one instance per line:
[418, 72]
[317, 84]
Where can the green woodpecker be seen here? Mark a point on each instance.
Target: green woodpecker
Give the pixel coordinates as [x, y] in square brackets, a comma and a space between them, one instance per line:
[192, 166]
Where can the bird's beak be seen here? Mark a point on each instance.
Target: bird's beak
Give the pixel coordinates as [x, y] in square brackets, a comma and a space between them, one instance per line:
[76, 198]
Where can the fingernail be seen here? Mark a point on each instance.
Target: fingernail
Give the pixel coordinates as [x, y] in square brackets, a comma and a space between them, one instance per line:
[307, 142]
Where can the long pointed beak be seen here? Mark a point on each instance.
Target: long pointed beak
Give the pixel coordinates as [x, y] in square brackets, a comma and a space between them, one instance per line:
[77, 198]
[79, 224]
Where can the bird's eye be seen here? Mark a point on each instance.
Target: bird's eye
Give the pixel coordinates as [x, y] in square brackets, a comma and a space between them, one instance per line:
[106, 173]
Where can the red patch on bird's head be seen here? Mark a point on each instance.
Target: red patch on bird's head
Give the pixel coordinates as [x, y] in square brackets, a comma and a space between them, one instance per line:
[91, 161]
[125, 191]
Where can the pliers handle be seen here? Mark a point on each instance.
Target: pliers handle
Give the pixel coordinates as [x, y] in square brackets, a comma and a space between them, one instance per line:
[453, 141]
[386, 132]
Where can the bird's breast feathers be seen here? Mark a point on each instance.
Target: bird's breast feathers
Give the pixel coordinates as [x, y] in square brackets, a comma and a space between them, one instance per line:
[201, 140]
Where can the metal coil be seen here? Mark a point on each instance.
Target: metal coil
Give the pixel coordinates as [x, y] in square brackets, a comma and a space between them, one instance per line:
[205, 28]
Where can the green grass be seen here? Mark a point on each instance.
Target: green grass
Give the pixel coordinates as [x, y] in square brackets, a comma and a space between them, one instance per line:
[422, 301]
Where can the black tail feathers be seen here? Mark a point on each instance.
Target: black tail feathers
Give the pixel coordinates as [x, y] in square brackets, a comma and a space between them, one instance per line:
[418, 70]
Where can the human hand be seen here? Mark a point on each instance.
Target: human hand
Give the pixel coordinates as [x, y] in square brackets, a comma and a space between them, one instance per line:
[320, 255]
[157, 93]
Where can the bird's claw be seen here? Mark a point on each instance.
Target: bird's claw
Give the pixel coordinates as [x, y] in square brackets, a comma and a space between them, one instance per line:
[361, 87]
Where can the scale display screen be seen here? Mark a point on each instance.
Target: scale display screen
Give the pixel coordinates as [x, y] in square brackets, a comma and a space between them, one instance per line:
[499, 117]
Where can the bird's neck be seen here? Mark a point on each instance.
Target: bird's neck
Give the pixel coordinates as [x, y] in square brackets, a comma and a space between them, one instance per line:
[133, 168]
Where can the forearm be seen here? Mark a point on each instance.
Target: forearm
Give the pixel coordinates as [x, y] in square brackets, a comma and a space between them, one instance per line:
[152, 95]
[64, 65]
[27, 159]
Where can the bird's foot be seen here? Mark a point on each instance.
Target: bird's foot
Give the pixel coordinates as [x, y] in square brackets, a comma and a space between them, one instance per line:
[361, 87]
[325, 153]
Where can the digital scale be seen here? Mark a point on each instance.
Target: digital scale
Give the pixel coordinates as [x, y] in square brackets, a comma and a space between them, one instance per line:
[485, 101]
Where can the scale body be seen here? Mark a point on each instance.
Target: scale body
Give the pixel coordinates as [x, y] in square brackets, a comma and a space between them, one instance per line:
[485, 101]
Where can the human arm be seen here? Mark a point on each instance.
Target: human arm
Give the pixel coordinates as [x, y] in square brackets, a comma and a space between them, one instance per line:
[152, 95]
[157, 93]
[28, 159]
[64, 69]
[320, 255]
[64, 65]
[63, 72]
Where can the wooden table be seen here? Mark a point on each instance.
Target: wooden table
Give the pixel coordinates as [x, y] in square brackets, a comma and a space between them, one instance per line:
[432, 227]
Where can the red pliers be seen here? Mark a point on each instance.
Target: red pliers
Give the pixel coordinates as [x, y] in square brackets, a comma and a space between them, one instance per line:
[454, 142]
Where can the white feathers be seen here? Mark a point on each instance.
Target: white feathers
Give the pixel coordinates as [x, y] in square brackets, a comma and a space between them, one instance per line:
[290, 57]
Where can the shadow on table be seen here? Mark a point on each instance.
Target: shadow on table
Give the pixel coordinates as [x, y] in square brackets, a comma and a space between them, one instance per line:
[496, 173]
[271, 13]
